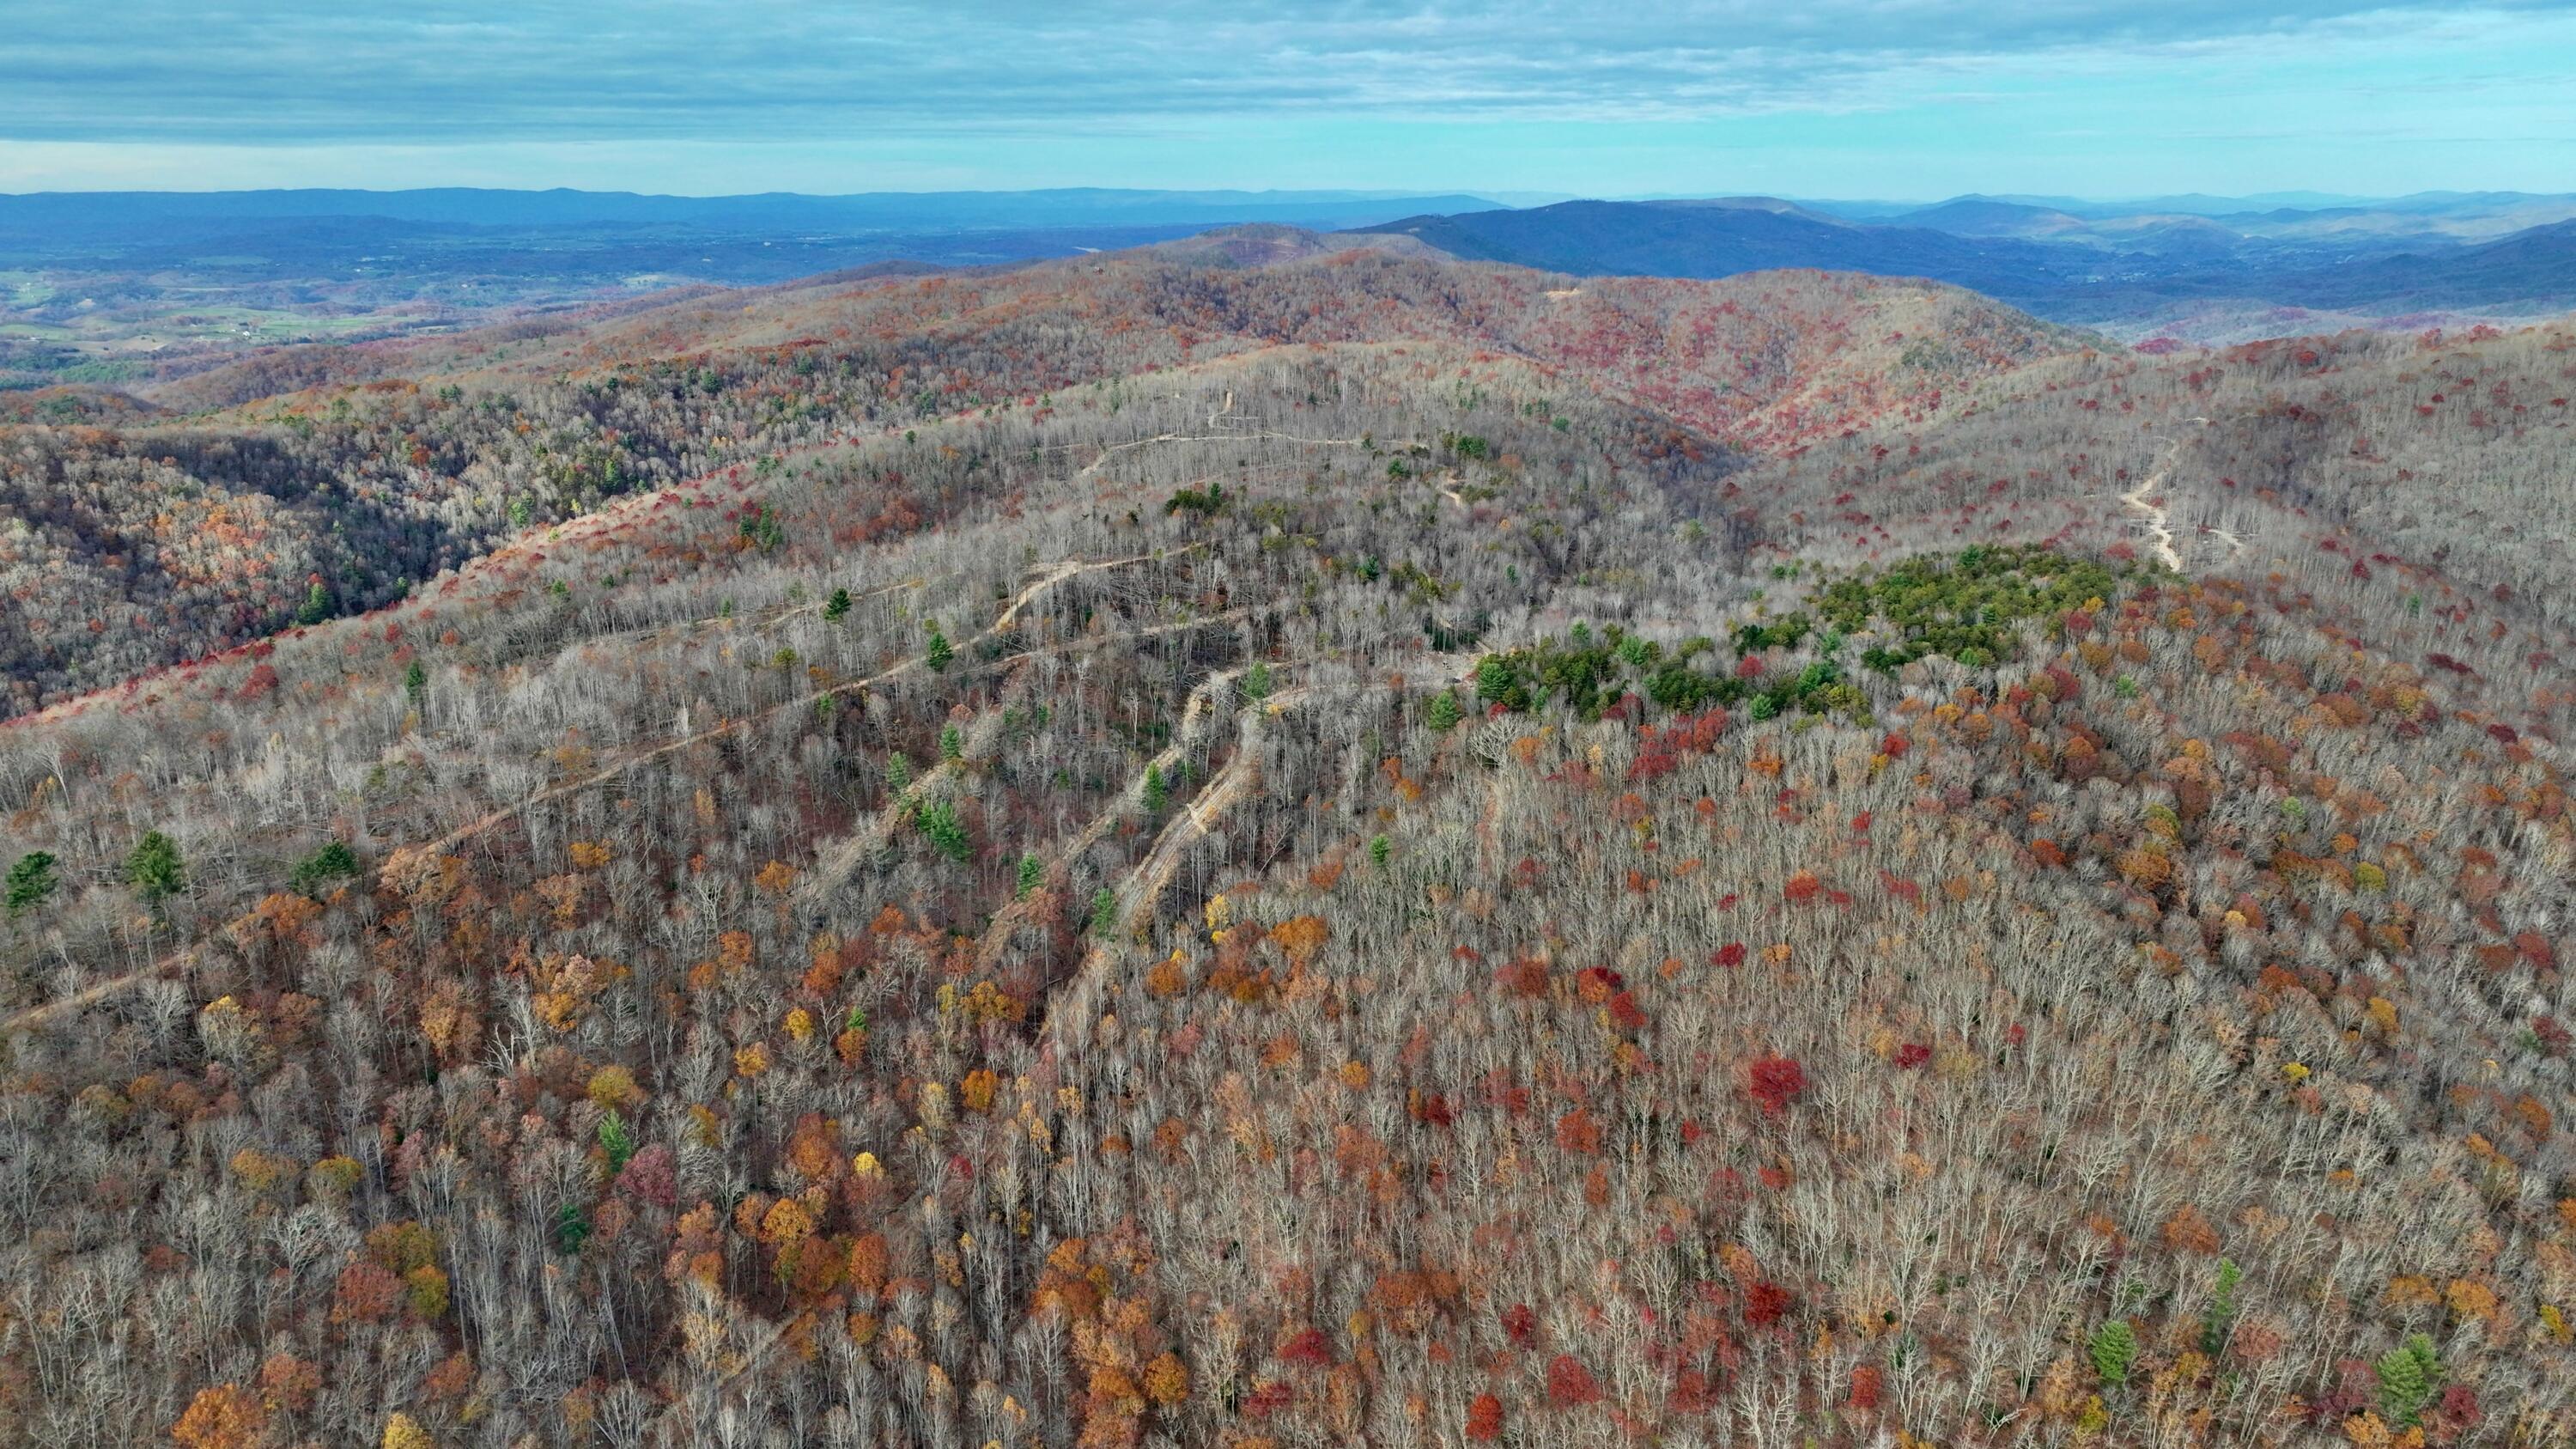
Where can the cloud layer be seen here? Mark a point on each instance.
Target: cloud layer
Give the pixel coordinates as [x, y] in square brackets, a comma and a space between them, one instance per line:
[1872, 97]
[563, 70]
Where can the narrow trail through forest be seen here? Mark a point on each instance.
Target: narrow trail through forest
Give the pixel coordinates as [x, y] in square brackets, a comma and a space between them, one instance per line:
[1194, 718]
[1143, 884]
[853, 851]
[1092, 469]
[2145, 501]
[652, 633]
[1136, 895]
[184, 958]
[1055, 575]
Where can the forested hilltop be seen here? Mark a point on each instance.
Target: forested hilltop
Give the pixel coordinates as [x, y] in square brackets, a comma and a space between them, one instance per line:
[1250, 846]
[311, 482]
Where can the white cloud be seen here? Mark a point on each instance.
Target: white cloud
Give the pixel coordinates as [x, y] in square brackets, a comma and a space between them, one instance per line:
[560, 70]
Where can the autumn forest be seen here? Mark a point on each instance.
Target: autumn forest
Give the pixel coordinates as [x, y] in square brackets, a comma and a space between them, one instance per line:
[1264, 843]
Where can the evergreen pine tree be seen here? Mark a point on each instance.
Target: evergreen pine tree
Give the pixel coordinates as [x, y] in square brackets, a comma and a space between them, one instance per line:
[332, 862]
[154, 868]
[616, 1140]
[2114, 1347]
[947, 834]
[2221, 1316]
[2407, 1377]
[31, 881]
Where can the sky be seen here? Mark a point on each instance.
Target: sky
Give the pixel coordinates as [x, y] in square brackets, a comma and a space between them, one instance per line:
[1889, 99]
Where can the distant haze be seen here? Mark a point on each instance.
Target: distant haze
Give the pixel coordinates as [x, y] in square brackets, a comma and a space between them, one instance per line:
[109, 213]
[119, 285]
[1840, 97]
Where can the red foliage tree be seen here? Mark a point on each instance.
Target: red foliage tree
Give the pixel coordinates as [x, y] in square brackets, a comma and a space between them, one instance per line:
[1625, 1013]
[1776, 1082]
[1308, 1348]
[1569, 1384]
[1692, 1393]
[1766, 1303]
[2459, 1410]
[1578, 1133]
[365, 1294]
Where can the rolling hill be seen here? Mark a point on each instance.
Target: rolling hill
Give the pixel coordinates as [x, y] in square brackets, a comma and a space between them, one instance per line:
[324, 480]
[2135, 275]
[130, 287]
[2536, 265]
[1670, 239]
[1259, 844]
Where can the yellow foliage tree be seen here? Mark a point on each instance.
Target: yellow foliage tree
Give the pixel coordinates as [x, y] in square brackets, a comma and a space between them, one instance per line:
[614, 1089]
[786, 1222]
[1298, 936]
[227, 1416]
[1167, 1380]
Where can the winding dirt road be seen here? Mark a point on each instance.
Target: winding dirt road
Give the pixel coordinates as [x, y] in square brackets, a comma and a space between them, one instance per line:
[2145, 501]
[401, 858]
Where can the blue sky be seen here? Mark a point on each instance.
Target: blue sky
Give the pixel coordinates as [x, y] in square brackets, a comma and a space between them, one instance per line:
[1845, 98]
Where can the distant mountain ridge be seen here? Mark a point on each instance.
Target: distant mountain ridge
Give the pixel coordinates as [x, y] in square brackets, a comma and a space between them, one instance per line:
[126, 285]
[2538, 263]
[1662, 238]
[2195, 203]
[2205, 277]
[141, 287]
[892, 210]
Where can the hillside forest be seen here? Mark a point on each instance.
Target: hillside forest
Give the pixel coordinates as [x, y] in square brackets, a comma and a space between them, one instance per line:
[1246, 844]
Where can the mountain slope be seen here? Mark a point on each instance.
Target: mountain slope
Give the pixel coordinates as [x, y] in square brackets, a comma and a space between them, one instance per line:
[361, 471]
[1348, 889]
[1661, 239]
[2137, 274]
[2533, 267]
